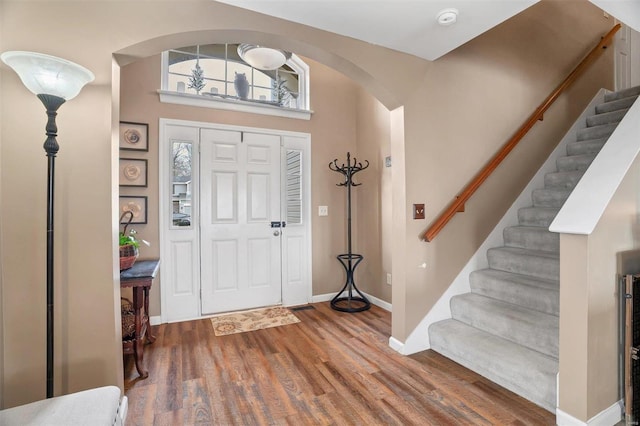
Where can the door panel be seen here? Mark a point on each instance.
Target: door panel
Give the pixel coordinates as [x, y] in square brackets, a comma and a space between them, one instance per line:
[225, 203]
[182, 259]
[240, 197]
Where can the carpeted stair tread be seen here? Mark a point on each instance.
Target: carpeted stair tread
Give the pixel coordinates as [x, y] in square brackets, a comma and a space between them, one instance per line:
[566, 180]
[550, 197]
[526, 372]
[529, 292]
[575, 162]
[590, 146]
[539, 264]
[595, 132]
[621, 94]
[533, 329]
[606, 117]
[537, 216]
[531, 237]
[616, 105]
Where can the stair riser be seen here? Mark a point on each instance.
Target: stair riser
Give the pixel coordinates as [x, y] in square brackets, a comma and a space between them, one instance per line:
[530, 297]
[585, 147]
[606, 118]
[595, 132]
[536, 217]
[541, 336]
[531, 375]
[574, 163]
[525, 238]
[549, 198]
[540, 267]
[615, 105]
[632, 91]
[562, 180]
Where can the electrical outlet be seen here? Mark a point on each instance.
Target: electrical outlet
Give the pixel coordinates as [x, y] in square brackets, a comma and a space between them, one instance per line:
[389, 279]
[418, 211]
[323, 211]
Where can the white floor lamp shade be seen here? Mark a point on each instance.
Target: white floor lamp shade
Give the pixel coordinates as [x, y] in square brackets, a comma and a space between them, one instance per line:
[47, 75]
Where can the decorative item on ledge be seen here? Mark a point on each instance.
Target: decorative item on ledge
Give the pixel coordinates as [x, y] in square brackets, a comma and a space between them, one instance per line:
[349, 303]
[128, 244]
[241, 85]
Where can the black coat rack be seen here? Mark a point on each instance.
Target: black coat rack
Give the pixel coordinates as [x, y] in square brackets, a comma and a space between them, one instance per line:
[349, 260]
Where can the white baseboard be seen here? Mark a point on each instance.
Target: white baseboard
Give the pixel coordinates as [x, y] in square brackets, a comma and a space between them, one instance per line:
[374, 300]
[155, 320]
[396, 345]
[123, 410]
[607, 417]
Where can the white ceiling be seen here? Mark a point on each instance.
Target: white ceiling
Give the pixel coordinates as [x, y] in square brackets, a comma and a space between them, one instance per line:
[408, 26]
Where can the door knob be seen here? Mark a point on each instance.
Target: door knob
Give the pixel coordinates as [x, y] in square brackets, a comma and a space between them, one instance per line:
[276, 233]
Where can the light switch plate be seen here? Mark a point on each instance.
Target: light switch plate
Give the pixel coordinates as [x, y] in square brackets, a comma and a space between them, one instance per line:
[323, 211]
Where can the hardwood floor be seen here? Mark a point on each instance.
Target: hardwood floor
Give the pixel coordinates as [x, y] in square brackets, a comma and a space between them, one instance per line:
[331, 368]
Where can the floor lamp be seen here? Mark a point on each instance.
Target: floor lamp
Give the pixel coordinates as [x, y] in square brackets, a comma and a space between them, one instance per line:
[54, 81]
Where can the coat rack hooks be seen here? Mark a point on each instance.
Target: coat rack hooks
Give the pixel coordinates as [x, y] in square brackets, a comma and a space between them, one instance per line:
[351, 302]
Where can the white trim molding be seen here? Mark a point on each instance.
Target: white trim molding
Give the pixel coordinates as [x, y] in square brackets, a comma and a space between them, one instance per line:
[607, 417]
[232, 105]
[374, 300]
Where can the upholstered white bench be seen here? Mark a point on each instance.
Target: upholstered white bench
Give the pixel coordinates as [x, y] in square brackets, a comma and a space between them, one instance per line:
[93, 407]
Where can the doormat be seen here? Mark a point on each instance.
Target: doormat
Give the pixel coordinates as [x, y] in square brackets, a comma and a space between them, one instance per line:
[239, 322]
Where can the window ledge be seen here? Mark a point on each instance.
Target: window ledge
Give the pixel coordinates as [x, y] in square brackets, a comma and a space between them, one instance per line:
[232, 105]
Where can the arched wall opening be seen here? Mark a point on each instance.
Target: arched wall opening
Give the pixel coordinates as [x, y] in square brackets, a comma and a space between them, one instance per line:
[348, 117]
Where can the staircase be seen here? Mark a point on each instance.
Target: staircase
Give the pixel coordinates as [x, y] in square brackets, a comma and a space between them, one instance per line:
[506, 328]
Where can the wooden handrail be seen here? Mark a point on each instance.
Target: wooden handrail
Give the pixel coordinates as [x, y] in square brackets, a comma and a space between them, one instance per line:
[457, 205]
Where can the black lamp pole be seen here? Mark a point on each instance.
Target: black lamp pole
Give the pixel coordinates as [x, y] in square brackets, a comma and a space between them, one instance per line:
[51, 103]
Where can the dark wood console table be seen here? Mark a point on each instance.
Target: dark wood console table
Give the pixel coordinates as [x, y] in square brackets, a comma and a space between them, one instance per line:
[139, 278]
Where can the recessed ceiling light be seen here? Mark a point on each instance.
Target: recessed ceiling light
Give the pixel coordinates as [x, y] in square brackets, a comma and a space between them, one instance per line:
[447, 16]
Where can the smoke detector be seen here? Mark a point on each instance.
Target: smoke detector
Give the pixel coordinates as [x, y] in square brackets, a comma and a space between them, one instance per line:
[447, 17]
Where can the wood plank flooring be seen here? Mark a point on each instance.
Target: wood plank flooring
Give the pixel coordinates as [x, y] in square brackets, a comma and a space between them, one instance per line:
[332, 368]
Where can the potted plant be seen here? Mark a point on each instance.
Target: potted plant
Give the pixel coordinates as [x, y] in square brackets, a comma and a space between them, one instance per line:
[129, 244]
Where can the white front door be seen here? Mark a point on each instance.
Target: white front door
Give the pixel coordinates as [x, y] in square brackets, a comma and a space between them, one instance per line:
[239, 200]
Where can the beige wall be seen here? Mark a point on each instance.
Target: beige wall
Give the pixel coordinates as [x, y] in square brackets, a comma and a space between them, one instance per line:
[372, 224]
[470, 102]
[339, 107]
[88, 352]
[589, 303]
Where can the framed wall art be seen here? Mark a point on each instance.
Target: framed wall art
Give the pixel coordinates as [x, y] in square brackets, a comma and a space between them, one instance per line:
[136, 205]
[134, 136]
[133, 172]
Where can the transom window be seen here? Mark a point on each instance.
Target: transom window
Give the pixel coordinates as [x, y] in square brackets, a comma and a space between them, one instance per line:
[217, 72]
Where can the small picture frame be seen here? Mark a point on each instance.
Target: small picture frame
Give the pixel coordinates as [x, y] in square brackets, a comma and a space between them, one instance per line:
[136, 205]
[134, 136]
[133, 172]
